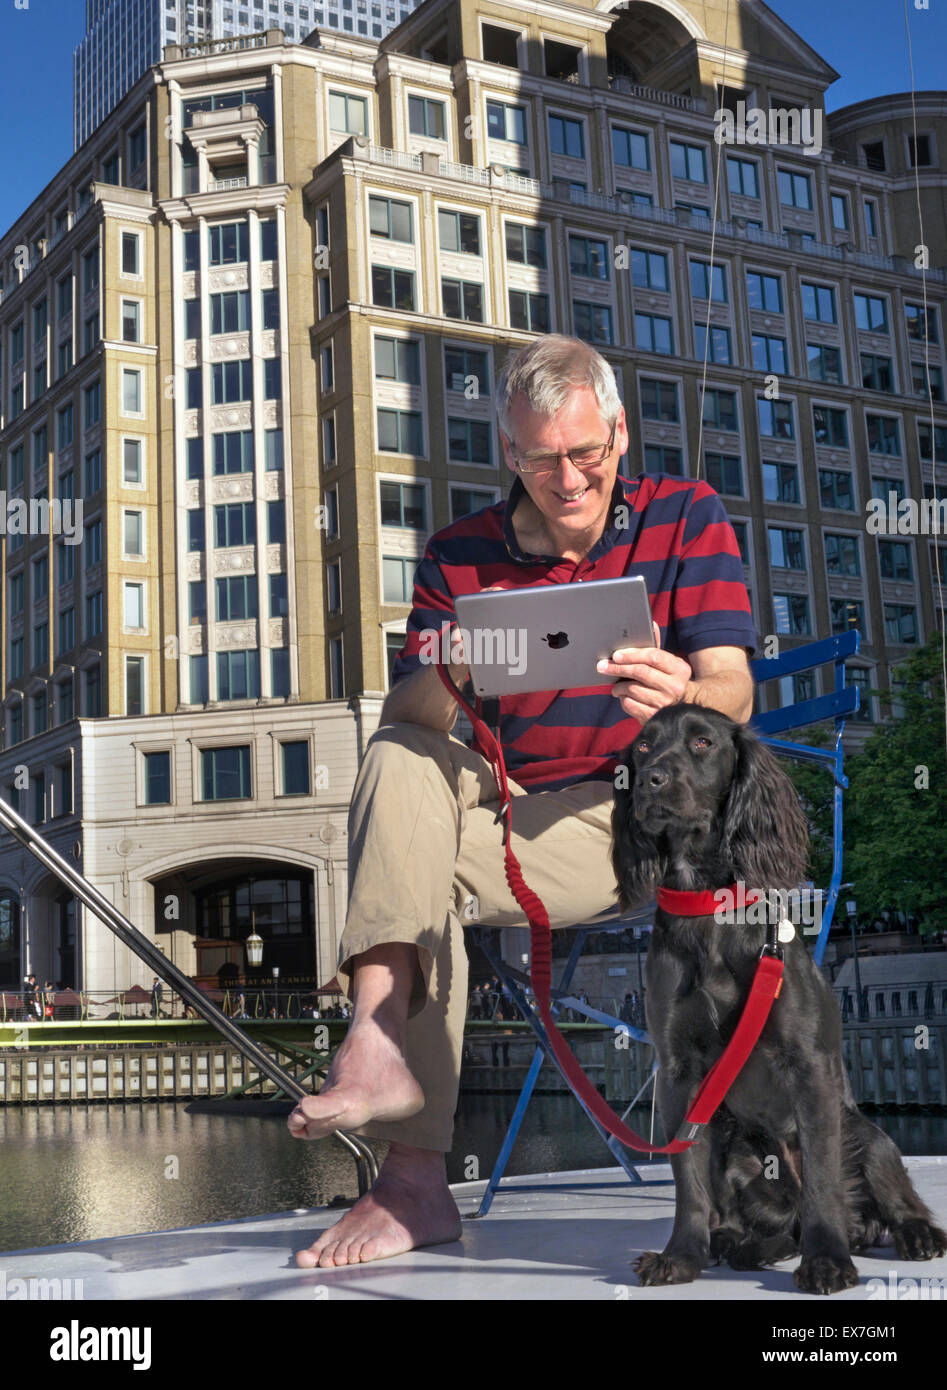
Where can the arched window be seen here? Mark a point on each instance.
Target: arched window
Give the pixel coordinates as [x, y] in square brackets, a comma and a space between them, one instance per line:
[9, 938]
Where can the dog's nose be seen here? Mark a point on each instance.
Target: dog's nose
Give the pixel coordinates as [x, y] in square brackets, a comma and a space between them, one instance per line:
[657, 779]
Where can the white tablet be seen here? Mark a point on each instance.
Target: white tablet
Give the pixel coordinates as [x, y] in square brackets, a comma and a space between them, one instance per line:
[551, 637]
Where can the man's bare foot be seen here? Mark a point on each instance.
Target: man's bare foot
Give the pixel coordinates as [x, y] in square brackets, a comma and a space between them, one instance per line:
[410, 1205]
[368, 1080]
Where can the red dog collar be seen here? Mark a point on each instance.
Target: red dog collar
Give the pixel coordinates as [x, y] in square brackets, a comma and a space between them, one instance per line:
[683, 904]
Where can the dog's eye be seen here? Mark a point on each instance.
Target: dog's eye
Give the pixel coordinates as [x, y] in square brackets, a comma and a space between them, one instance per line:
[642, 746]
[702, 742]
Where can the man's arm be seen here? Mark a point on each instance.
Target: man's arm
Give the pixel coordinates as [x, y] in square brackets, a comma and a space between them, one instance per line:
[722, 681]
[421, 697]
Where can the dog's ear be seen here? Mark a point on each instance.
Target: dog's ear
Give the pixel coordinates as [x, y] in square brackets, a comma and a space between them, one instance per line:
[765, 835]
[638, 867]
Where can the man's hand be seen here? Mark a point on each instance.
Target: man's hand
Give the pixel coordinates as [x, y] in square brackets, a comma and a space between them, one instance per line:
[647, 678]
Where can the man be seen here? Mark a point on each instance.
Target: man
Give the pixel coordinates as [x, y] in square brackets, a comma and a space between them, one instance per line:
[156, 993]
[424, 841]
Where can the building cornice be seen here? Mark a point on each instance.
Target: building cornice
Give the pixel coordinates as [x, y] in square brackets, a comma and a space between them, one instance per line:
[264, 196]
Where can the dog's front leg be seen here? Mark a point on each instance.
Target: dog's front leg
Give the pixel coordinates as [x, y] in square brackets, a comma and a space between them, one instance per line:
[826, 1261]
[688, 1250]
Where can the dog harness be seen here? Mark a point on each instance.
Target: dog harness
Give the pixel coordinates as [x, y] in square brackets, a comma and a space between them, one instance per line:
[764, 990]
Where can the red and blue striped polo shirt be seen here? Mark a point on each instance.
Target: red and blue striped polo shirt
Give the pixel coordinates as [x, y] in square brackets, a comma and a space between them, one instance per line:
[673, 531]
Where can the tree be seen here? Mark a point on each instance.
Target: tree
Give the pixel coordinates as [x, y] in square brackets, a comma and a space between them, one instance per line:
[896, 807]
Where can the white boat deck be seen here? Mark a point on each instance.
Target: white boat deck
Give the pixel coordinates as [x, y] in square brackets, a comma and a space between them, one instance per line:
[553, 1243]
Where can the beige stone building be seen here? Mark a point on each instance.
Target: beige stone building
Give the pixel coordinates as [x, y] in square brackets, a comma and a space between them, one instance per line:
[249, 339]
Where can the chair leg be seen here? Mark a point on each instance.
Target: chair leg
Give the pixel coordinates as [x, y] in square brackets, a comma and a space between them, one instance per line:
[519, 1114]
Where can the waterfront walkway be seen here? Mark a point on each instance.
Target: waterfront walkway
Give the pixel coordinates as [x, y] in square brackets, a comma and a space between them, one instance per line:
[554, 1243]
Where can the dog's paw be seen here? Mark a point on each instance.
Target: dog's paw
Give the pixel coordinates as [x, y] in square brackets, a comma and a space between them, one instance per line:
[723, 1239]
[652, 1268]
[919, 1240]
[825, 1274]
[757, 1254]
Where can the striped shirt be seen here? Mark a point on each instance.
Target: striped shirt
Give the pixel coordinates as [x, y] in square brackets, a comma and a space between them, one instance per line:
[673, 531]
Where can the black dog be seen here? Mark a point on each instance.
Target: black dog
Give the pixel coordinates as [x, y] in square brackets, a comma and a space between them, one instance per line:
[788, 1165]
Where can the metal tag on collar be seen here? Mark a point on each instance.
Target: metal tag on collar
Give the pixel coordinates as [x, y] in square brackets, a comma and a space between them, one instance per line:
[771, 946]
[689, 1132]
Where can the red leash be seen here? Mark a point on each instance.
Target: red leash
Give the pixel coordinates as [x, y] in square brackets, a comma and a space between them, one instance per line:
[765, 988]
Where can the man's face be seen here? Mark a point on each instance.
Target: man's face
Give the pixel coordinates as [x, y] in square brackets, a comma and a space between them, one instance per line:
[571, 499]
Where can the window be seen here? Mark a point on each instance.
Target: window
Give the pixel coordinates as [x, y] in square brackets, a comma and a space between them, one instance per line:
[900, 623]
[720, 409]
[131, 392]
[197, 601]
[659, 400]
[229, 313]
[397, 574]
[131, 321]
[459, 231]
[15, 467]
[199, 682]
[769, 354]
[63, 357]
[236, 597]
[426, 117]
[842, 555]
[132, 534]
[786, 548]
[663, 458]
[131, 253]
[279, 600]
[269, 241]
[688, 162]
[234, 524]
[840, 220]
[649, 270]
[462, 299]
[402, 504]
[15, 589]
[919, 152]
[871, 217]
[654, 333]
[775, 418]
[90, 271]
[824, 363]
[845, 614]
[295, 768]
[716, 348]
[273, 450]
[588, 257]
[16, 734]
[329, 458]
[195, 458]
[40, 320]
[233, 452]
[231, 381]
[764, 292]
[93, 614]
[630, 149]
[566, 137]
[334, 587]
[238, 675]
[831, 426]
[871, 313]
[883, 487]
[92, 404]
[724, 474]
[390, 218]
[818, 303]
[64, 432]
[66, 711]
[791, 612]
[795, 190]
[229, 243]
[90, 333]
[39, 778]
[526, 244]
[157, 779]
[924, 441]
[331, 501]
[93, 543]
[593, 322]
[463, 367]
[192, 318]
[895, 560]
[275, 523]
[876, 372]
[134, 611]
[225, 772]
[272, 378]
[136, 147]
[40, 379]
[16, 400]
[40, 577]
[506, 122]
[194, 388]
[529, 311]
[468, 441]
[463, 501]
[16, 658]
[393, 289]
[920, 331]
[835, 490]
[336, 669]
[742, 177]
[41, 644]
[874, 153]
[884, 436]
[708, 282]
[781, 482]
[348, 113]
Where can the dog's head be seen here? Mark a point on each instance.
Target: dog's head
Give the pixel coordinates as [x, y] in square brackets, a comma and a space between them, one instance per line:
[696, 787]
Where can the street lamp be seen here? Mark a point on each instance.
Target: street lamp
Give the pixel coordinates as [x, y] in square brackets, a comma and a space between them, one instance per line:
[276, 988]
[254, 949]
[851, 907]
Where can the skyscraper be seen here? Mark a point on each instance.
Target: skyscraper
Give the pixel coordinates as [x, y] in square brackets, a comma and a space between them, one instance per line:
[125, 37]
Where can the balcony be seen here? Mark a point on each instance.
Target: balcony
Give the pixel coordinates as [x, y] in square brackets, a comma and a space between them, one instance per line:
[623, 86]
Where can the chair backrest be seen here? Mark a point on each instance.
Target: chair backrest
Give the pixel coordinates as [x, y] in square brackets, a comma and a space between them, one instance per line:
[843, 701]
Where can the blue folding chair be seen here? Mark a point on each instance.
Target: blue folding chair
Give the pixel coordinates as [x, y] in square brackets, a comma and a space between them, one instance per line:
[837, 706]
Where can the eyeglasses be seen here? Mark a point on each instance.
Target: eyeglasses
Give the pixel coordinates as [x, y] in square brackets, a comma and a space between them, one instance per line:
[582, 458]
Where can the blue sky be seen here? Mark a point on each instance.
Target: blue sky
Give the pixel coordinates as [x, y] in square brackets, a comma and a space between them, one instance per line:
[865, 42]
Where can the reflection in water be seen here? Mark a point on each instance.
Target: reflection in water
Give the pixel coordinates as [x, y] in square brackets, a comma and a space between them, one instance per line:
[83, 1172]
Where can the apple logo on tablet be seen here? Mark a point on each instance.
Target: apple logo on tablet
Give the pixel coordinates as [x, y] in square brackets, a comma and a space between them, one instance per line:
[556, 640]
